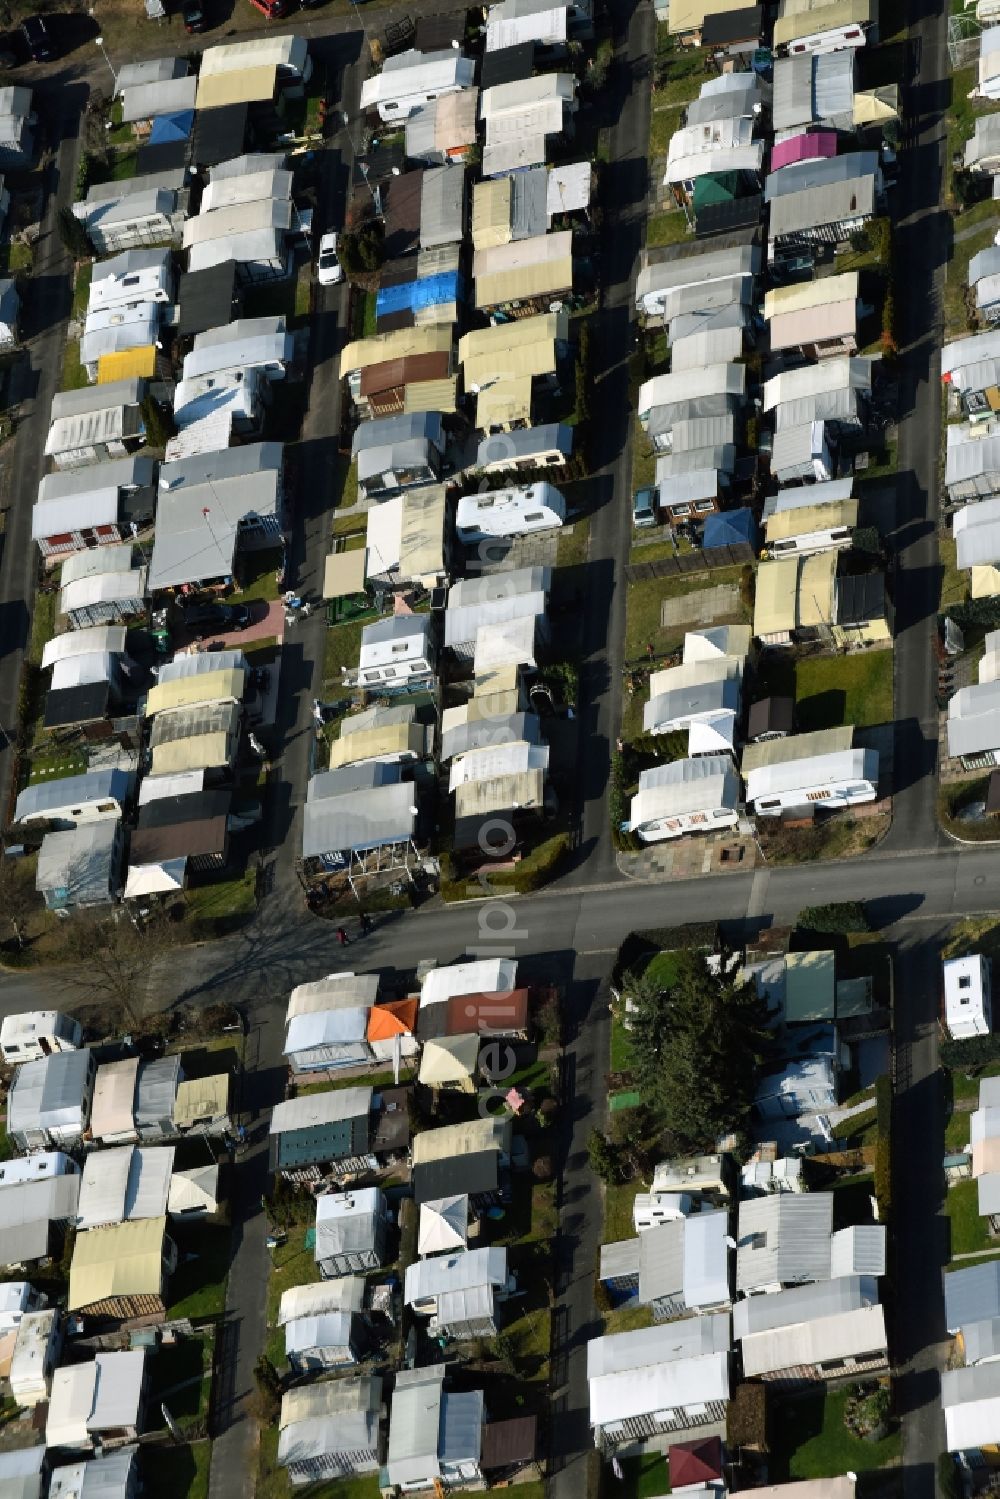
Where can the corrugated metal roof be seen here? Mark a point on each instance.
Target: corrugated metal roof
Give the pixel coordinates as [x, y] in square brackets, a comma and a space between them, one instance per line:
[859, 1250]
[682, 786]
[156, 1089]
[346, 1294]
[815, 1341]
[783, 1240]
[125, 1260]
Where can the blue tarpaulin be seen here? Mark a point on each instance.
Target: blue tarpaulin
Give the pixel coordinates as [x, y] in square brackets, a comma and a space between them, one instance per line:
[730, 528]
[171, 127]
[428, 291]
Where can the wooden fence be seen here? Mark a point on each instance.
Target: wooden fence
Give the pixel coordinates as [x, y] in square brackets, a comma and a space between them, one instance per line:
[690, 562]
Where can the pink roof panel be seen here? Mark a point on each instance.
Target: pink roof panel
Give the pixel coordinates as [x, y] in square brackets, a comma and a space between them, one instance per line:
[806, 147]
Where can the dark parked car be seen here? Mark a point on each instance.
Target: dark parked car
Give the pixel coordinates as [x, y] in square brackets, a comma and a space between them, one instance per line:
[214, 619]
[37, 39]
[193, 15]
[12, 49]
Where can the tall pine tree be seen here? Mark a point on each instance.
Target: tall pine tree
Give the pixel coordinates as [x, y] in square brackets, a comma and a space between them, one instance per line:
[697, 1050]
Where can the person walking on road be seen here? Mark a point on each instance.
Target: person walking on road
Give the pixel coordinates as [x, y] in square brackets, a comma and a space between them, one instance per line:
[367, 925]
[342, 936]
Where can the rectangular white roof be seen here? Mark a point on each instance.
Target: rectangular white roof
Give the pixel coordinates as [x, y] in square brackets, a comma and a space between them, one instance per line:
[484, 976]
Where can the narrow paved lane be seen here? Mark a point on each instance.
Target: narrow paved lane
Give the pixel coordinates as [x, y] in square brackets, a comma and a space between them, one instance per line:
[921, 252]
[35, 381]
[920, 1231]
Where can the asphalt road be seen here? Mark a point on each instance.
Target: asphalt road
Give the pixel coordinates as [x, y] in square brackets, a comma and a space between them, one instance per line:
[234, 1451]
[35, 380]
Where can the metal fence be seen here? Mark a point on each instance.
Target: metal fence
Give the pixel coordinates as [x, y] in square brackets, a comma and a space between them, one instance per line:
[690, 562]
[964, 32]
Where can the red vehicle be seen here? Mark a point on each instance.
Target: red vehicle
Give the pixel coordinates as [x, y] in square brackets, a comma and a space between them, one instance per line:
[273, 9]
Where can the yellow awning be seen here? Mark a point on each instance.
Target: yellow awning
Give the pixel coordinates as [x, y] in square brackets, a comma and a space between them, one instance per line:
[774, 604]
[122, 1260]
[504, 402]
[400, 343]
[128, 364]
[390, 740]
[210, 687]
[201, 1098]
[811, 518]
[491, 213]
[241, 86]
[431, 395]
[344, 574]
[199, 752]
[816, 582]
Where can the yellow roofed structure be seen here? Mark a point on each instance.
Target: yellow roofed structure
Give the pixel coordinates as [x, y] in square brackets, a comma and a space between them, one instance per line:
[817, 575]
[504, 402]
[241, 86]
[127, 364]
[199, 752]
[794, 593]
[689, 15]
[388, 742]
[808, 518]
[537, 267]
[822, 291]
[523, 347]
[209, 687]
[431, 395]
[344, 574]
[802, 19]
[400, 343]
[491, 213]
[450, 1063]
[202, 1101]
[123, 1260]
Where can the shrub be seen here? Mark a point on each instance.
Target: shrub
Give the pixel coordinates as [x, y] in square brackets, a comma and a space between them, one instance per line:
[748, 587]
[536, 869]
[838, 918]
[72, 234]
[159, 424]
[605, 1161]
[602, 1296]
[746, 1417]
[969, 1056]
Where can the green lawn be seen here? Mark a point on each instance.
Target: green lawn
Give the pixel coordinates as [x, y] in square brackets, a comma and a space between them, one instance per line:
[181, 1377]
[74, 376]
[621, 1055]
[954, 581]
[43, 624]
[53, 765]
[809, 1440]
[218, 906]
[662, 969]
[81, 288]
[663, 123]
[642, 622]
[669, 227]
[260, 572]
[832, 690]
[969, 1232]
[343, 647]
[643, 1477]
[574, 543]
[956, 1132]
[171, 1472]
[292, 1264]
[345, 482]
[197, 1287]
[530, 1337]
[618, 1202]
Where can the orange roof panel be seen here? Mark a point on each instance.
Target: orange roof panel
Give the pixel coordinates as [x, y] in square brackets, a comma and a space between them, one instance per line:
[397, 1018]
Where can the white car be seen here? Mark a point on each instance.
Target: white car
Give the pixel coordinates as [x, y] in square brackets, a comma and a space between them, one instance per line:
[328, 267]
